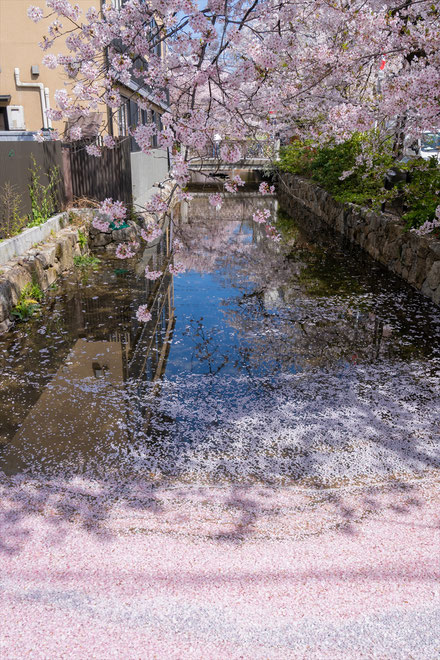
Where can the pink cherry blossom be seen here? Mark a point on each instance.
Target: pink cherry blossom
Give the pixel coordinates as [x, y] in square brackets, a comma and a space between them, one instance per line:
[176, 269]
[152, 274]
[261, 215]
[151, 233]
[35, 14]
[216, 200]
[113, 210]
[143, 314]
[75, 133]
[93, 150]
[99, 223]
[265, 189]
[126, 250]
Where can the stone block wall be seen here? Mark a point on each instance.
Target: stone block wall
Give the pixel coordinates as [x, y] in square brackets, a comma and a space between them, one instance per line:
[42, 264]
[109, 240]
[416, 259]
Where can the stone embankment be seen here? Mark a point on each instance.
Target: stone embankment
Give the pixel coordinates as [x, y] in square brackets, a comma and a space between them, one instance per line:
[416, 259]
[49, 258]
[42, 264]
[111, 239]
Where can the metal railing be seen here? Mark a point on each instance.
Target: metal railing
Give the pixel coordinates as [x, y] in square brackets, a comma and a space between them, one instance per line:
[251, 150]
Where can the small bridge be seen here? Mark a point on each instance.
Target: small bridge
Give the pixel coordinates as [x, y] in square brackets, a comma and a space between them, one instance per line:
[256, 156]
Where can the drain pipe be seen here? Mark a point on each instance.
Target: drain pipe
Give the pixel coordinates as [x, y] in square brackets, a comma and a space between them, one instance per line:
[47, 100]
[40, 86]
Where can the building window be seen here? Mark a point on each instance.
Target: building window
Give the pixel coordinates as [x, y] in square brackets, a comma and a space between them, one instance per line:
[123, 118]
[3, 120]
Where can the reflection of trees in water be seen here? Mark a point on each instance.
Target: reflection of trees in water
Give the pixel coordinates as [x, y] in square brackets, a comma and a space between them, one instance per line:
[212, 237]
[206, 351]
[299, 303]
[88, 330]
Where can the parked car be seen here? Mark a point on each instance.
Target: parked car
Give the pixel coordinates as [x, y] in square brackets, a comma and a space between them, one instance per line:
[426, 147]
[430, 146]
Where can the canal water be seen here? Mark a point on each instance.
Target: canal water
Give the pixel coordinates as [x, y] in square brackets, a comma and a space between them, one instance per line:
[300, 362]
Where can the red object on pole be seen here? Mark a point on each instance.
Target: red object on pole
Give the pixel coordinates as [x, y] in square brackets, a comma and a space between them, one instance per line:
[382, 64]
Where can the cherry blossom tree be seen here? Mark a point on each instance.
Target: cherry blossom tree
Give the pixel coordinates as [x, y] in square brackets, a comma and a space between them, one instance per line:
[229, 66]
[321, 67]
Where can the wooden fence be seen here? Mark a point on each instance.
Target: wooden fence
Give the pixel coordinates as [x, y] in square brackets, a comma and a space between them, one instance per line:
[16, 162]
[98, 178]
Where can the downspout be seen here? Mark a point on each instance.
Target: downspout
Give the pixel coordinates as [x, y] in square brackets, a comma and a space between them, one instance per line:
[47, 100]
[40, 86]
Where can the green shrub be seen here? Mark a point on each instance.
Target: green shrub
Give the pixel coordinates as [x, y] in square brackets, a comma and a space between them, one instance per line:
[354, 171]
[29, 302]
[12, 221]
[43, 198]
[422, 193]
[297, 157]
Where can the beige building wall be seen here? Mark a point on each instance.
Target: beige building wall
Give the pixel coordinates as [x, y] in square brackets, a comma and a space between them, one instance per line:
[19, 39]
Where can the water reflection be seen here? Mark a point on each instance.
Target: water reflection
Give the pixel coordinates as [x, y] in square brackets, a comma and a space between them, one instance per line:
[300, 361]
[60, 373]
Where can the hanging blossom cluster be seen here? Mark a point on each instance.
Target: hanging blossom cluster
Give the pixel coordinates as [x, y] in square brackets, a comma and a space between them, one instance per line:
[429, 225]
[232, 184]
[272, 232]
[101, 224]
[152, 274]
[247, 70]
[110, 214]
[151, 233]
[127, 250]
[143, 314]
[265, 189]
[176, 269]
[261, 216]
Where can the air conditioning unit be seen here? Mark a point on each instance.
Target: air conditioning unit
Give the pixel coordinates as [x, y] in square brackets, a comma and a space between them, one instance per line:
[15, 114]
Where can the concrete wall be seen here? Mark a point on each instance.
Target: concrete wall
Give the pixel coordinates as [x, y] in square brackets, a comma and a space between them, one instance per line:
[416, 259]
[147, 170]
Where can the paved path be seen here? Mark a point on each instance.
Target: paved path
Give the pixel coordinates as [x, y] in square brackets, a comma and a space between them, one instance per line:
[210, 572]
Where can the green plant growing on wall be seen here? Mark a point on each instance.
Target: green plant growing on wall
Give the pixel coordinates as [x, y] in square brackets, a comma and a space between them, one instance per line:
[86, 261]
[82, 239]
[11, 219]
[29, 302]
[43, 198]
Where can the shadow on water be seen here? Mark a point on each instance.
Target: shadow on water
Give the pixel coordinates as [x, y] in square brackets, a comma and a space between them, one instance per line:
[266, 367]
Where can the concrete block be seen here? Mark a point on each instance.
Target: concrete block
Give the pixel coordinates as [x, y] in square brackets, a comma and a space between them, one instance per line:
[18, 278]
[64, 253]
[46, 255]
[18, 245]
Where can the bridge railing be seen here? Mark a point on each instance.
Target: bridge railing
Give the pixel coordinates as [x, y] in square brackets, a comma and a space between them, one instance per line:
[264, 149]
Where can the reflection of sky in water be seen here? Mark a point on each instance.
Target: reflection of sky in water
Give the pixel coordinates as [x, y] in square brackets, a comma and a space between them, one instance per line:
[304, 363]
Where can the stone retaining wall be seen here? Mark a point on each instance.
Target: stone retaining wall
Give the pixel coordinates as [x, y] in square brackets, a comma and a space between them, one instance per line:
[414, 258]
[42, 264]
[110, 240]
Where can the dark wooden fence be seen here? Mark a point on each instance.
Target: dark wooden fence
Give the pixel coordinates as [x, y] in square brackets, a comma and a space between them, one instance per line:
[16, 162]
[98, 178]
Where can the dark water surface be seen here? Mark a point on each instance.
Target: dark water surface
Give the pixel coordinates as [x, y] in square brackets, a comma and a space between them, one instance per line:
[302, 361]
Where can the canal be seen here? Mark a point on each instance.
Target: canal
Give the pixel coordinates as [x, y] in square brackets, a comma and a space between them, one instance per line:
[301, 362]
